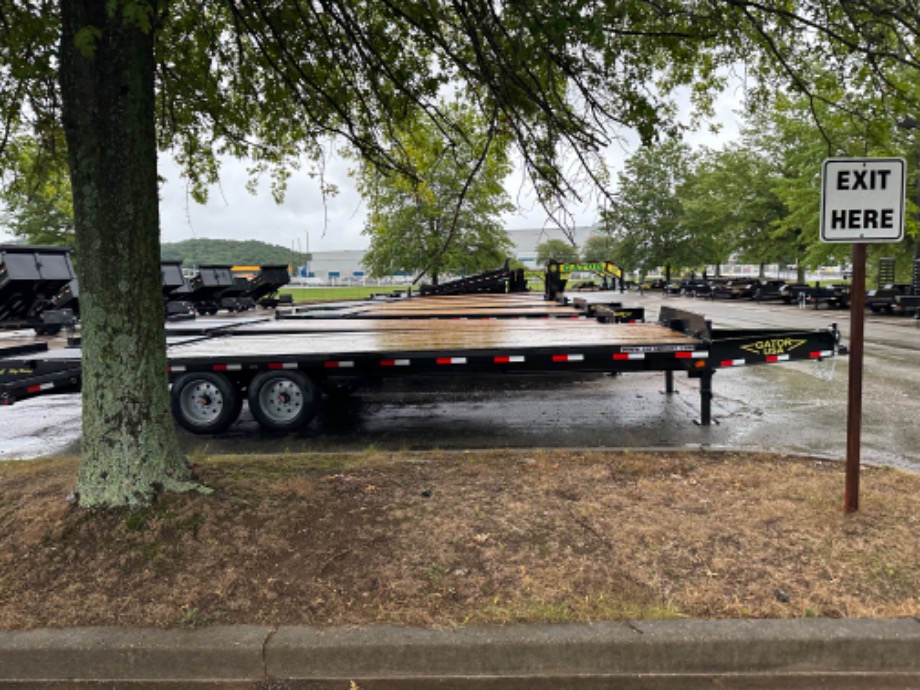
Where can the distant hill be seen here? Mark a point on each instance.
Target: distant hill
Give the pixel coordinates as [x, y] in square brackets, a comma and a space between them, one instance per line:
[237, 253]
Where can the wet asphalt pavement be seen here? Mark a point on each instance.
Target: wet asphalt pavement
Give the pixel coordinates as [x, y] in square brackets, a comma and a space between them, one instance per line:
[791, 407]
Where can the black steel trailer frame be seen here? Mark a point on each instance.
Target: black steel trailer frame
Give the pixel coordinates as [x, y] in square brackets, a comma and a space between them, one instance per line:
[283, 367]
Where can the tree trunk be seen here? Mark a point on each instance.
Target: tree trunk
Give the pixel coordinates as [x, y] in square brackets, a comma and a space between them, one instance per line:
[130, 450]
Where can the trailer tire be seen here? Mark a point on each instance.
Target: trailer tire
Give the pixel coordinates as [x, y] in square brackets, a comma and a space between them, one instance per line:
[205, 403]
[283, 400]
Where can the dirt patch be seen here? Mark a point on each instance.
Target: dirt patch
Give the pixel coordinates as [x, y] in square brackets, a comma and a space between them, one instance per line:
[479, 537]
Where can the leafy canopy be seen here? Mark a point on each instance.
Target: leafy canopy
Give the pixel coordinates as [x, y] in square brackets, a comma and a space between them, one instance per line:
[271, 82]
[556, 250]
[444, 218]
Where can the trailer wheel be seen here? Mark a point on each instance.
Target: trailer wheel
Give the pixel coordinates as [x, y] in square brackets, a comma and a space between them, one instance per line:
[205, 403]
[283, 400]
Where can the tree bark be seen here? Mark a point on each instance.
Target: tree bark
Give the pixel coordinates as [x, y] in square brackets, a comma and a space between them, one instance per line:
[130, 451]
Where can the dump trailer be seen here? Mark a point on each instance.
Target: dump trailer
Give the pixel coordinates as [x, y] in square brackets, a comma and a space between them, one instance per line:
[264, 286]
[206, 288]
[175, 287]
[234, 297]
[283, 367]
[35, 287]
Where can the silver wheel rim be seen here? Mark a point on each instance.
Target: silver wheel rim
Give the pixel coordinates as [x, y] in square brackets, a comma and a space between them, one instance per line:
[281, 400]
[202, 403]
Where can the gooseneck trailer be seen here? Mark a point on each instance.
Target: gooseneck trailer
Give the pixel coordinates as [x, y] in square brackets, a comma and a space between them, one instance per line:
[284, 368]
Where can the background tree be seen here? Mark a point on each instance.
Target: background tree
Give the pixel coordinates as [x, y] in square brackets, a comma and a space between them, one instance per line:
[729, 205]
[271, 81]
[443, 217]
[556, 250]
[788, 137]
[36, 199]
[647, 217]
[598, 248]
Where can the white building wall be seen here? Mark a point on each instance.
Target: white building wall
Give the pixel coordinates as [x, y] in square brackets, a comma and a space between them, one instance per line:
[348, 263]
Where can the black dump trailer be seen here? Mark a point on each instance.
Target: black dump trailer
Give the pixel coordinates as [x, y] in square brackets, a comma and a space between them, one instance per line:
[206, 287]
[175, 290]
[263, 287]
[234, 297]
[37, 288]
[284, 368]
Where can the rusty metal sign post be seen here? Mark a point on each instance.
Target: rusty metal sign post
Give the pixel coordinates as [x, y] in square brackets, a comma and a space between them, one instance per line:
[862, 202]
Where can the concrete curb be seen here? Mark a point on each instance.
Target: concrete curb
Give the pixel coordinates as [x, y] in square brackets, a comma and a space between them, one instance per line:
[654, 654]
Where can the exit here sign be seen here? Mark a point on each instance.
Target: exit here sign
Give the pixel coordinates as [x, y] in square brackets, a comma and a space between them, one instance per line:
[862, 200]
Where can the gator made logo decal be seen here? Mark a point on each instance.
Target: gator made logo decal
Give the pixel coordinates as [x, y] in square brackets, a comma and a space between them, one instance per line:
[773, 346]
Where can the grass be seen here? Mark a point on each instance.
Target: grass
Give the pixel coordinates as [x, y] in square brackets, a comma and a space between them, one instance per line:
[439, 538]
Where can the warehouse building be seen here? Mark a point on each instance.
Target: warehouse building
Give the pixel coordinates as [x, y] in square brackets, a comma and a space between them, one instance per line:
[345, 267]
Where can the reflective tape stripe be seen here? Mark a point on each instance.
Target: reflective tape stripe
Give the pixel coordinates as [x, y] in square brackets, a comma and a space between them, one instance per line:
[394, 362]
[40, 387]
[336, 364]
[227, 367]
[451, 360]
[508, 359]
[732, 363]
[282, 365]
[568, 358]
[176, 368]
[777, 358]
[691, 355]
[822, 353]
[628, 355]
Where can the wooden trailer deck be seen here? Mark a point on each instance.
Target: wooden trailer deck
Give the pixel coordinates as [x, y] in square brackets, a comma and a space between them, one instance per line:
[335, 337]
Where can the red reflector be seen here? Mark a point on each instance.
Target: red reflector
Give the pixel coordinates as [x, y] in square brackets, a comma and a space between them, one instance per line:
[502, 359]
[330, 364]
[443, 360]
[814, 355]
[219, 367]
[620, 355]
[772, 358]
[683, 355]
[560, 358]
[275, 365]
[33, 389]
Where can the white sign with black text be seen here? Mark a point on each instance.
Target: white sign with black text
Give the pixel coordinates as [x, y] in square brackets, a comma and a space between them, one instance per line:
[862, 200]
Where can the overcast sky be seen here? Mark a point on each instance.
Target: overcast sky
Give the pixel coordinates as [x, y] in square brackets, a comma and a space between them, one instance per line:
[332, 224]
